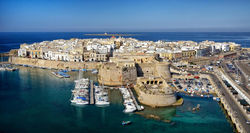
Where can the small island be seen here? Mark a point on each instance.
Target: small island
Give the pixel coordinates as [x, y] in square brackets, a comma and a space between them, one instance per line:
[112, 34]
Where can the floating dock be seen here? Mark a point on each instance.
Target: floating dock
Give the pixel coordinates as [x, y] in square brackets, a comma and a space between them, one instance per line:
[92, 101]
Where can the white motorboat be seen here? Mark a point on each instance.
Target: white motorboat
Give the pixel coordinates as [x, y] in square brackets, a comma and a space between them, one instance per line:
[81, 92]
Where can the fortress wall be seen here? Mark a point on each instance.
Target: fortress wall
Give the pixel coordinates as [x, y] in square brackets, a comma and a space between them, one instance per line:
[145, 69]
[116, 76]
[129, 76]
[156, 100]
[163, 70]
[54, 64]
[154, 69]
[112, 76]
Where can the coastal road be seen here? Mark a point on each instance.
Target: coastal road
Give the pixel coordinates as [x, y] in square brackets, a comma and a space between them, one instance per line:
[243, 80]
[244, 69]
[232, 103]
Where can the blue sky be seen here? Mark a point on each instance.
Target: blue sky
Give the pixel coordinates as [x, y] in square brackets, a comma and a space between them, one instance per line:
[124, 15]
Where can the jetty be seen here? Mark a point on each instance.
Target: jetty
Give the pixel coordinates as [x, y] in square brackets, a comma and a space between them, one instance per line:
[92, 92]
[138, 107]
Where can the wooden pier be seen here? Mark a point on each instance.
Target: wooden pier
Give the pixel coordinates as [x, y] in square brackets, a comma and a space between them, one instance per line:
[133, 97]
[92, 101]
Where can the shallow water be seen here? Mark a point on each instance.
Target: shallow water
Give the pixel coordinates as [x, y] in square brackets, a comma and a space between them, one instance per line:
[33, 100]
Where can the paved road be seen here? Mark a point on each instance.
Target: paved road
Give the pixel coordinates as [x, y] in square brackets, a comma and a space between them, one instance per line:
[245, 72]
[243, 79]
[237, 112]
[231, 103]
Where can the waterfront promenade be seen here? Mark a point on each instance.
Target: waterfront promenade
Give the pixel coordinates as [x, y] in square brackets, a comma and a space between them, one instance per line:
[244, 69]
[230, 104]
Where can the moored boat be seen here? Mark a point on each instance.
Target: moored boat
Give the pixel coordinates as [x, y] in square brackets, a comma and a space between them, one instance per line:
[126, 123]
[80, 92]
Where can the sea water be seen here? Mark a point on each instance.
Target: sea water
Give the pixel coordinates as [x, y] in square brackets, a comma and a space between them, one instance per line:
[32, 100]
[12, 40]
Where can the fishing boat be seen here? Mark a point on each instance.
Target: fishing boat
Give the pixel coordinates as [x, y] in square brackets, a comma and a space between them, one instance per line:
[84, 70]
[126, 123]
[57, 75]
[216, 99]
[10, 68]
[94, 71]
[60, 74]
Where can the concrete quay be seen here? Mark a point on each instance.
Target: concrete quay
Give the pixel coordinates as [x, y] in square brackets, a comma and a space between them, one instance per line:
[241, 91]
[244, 69]
[232, 107]
[234, 111]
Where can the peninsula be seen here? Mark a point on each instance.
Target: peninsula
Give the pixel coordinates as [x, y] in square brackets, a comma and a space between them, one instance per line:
[157, 71]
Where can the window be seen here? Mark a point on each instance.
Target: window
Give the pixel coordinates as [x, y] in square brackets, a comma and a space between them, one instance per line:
[160, 82]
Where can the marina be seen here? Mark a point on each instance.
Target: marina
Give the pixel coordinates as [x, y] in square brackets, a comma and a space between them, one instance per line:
[86, 92]
[91, 117]
[101, 95]
[81, 93]
[7, 67]
[129, 101]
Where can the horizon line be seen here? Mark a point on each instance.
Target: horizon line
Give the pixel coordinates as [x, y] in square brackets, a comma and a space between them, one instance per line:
[119, 31]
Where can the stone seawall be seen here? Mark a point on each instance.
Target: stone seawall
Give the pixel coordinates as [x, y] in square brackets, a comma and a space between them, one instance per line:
[54, 64]
[156, 100]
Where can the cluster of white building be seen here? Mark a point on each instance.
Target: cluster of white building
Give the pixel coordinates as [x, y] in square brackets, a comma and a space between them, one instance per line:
[69, 50]
[79, 50]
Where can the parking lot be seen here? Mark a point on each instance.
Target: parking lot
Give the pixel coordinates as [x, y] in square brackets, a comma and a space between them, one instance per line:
[198, 86]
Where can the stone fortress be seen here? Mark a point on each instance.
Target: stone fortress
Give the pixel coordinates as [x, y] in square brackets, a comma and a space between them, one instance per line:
[147, 74]
[121, 61]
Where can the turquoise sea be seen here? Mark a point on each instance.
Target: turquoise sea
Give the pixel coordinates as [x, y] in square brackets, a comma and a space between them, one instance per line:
[34, 101]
